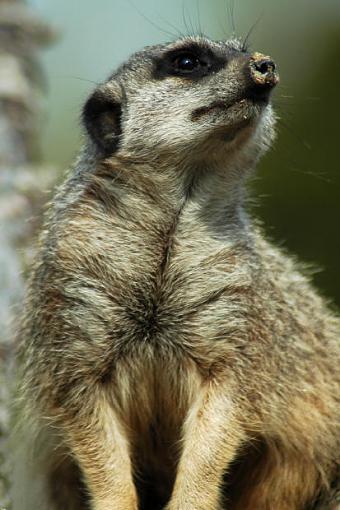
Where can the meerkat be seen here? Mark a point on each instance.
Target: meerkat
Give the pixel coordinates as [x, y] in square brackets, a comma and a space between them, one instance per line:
[170, 356]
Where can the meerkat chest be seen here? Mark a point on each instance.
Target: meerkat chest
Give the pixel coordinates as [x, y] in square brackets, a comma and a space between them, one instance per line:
[131, 286]
[204, 291]
[178, 323]
[196, 292]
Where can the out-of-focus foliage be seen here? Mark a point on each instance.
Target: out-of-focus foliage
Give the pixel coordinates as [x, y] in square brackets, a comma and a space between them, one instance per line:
[297, 189]
[301, 176]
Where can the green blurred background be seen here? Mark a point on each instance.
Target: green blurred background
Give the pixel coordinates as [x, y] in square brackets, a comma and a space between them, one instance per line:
[297, 187]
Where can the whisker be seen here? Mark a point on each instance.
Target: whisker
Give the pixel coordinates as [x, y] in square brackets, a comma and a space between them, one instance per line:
[198, 13]
[151, 22]
[70, 77]
[178, 32]
[186, 13]
[186, 26]
[231, 9]
[250, 32]
[294, 134]
[317, 175]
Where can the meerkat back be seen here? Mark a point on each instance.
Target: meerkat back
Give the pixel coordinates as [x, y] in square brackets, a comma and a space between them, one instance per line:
[170, 357]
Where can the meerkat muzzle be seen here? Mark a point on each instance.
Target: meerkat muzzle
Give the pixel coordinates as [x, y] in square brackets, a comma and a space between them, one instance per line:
[263, 71]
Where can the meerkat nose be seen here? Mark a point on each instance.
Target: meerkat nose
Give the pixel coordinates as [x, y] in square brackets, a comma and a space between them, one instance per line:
[263, 71]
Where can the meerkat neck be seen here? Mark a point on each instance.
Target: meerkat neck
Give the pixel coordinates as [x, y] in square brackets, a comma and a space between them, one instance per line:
[210, 186]
[211, 198]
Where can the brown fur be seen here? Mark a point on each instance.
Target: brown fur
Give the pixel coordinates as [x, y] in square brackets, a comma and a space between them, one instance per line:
[169, 353]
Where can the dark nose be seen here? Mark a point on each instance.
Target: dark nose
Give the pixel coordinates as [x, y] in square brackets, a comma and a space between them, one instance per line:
[263, 73]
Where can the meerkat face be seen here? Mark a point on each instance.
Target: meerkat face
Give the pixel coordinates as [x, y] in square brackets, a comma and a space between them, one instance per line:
[189, 99]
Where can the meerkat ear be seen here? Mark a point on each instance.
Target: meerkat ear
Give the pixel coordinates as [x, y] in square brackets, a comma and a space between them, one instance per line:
[102, 119]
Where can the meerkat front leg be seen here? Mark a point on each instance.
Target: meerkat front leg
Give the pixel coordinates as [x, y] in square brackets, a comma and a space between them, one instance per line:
[101, 449]
[211, 440]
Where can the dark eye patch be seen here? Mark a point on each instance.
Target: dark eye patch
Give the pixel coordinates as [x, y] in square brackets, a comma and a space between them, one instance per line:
[190, 62]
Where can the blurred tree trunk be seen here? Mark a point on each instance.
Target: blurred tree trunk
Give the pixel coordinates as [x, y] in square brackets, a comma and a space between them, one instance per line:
[22, 179]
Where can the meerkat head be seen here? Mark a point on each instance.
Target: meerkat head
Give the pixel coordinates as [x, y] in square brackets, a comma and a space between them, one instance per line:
[189, 100]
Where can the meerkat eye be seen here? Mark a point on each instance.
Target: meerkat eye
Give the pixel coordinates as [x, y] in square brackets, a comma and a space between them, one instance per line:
[187, 63]
[191, 64]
